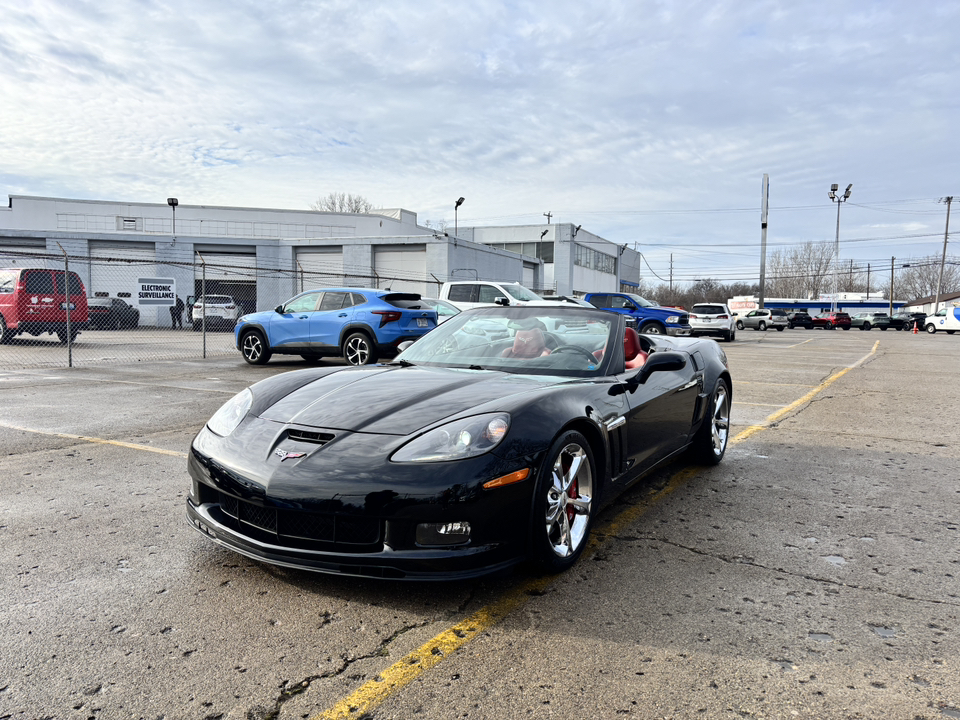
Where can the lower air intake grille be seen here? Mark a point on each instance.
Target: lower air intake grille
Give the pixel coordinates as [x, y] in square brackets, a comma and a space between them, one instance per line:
[296, 525]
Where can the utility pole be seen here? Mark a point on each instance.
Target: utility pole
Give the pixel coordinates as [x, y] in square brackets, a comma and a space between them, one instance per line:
[764, 203]
[671, 276]
[548, 215]
[891, 286]
[943, 258]
[868, 282]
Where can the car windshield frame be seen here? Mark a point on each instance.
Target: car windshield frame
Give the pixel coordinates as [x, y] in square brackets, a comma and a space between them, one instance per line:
[477, 339]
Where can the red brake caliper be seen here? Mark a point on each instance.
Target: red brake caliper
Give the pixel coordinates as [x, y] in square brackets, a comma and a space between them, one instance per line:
[572, 495]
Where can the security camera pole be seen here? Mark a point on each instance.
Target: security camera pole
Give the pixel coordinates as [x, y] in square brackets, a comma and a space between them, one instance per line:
[838, 199]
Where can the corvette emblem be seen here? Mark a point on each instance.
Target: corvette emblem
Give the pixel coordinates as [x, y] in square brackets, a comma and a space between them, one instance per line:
[284, 455]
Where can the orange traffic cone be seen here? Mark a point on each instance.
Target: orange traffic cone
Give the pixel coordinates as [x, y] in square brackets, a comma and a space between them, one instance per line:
[914, 327]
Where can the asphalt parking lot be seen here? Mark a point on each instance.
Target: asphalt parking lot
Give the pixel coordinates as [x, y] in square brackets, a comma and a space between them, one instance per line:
[812, 574]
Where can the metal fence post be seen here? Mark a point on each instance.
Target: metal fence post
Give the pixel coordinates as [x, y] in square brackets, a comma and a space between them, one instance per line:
[203, 294]
[66, 285]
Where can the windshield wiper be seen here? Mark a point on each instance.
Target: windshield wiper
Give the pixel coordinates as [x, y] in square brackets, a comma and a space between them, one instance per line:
[474, 367]
[401, 363]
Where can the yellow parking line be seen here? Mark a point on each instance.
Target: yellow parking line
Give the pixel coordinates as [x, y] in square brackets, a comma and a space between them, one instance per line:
[753, 429]
[98, 441]
[369, 696]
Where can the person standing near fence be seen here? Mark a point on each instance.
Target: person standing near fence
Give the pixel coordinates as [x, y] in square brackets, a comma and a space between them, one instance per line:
[176, 314]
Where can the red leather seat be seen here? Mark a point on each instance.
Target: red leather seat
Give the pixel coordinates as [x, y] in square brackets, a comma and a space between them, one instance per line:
[633, 354]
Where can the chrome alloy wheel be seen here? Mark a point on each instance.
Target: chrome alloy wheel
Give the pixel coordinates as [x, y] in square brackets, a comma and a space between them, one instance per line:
[720, 422]
[569, 501]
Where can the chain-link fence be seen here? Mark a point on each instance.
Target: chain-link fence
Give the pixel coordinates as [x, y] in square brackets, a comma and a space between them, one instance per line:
[134, 309]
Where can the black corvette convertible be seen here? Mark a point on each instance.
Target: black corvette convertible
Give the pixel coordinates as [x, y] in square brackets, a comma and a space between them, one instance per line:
[495, 437]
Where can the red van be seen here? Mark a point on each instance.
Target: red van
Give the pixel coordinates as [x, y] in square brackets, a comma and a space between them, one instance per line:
[34, 301]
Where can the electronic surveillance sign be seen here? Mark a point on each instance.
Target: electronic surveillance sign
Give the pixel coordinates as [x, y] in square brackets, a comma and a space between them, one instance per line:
[156, 291]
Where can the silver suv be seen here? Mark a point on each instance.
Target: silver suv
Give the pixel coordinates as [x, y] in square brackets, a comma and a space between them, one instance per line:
[763, 319]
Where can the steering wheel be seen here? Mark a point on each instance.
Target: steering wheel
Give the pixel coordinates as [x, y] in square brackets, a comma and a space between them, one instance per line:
[576, 349]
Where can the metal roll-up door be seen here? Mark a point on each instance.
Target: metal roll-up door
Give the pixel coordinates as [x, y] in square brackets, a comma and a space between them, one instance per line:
[402, 268]
[115, 268]
[19, 255]
[528, 275]
[319, 267]
[228, 273]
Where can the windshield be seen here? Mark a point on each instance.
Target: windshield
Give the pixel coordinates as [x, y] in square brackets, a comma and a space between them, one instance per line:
[522, 293]
[528, 340]
[641, 302]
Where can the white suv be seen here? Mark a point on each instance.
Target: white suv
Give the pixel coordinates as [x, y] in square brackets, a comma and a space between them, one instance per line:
[219, 309]
[712, 319]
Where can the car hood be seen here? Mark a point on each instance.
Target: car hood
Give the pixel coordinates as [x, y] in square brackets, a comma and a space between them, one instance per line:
[399, 400]
[262, 317]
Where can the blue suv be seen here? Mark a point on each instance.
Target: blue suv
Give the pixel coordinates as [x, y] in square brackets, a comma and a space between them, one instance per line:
[360, 324]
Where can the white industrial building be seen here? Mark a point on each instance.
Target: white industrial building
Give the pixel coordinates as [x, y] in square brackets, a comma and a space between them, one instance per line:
[263, 256]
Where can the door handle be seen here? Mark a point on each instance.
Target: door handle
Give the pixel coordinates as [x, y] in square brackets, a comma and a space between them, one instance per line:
[342, 315]
[303, 317]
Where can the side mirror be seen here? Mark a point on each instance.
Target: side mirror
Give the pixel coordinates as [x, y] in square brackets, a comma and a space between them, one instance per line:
[501, 301]
[664, 361]
[405, 344]
[278, 309]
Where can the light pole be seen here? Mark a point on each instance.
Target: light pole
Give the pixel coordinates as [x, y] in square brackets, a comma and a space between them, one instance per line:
[838, 199]
[455, 206]
[173, 202]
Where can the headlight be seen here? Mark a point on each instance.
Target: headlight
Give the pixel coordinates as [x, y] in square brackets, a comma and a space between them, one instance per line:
[226, 419]
[456, 440]
[673, 319]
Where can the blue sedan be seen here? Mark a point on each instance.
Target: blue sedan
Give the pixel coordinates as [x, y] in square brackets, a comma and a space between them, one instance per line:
[360, 324]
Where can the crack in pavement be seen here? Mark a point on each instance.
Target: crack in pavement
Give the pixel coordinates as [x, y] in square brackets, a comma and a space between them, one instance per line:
[290, 691]
[743, 560]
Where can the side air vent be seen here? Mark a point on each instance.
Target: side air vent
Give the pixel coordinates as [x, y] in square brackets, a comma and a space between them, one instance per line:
[307, 436]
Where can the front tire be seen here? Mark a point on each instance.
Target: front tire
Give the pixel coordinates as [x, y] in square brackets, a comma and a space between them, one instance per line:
[739, 325]
[710, 442]
[563, 510]
[651, 328]
[5, 335]
[779, 328]
[931, 328]
[254, 348]
[359, 350]
[762, 326]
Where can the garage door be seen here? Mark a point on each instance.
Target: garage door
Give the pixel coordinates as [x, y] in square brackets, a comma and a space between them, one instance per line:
[114, 270]
[319, 267]
[233, 274]
[402, 268]
[115, 267]
[21, 255]
[226, 266]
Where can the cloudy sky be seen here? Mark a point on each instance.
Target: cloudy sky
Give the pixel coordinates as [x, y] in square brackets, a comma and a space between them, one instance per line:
[649, 123]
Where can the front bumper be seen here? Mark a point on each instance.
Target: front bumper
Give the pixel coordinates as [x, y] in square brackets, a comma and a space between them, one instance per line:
[679, 331]
[453, 563]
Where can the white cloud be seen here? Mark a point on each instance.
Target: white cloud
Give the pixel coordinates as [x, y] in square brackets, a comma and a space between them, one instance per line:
[592, 112]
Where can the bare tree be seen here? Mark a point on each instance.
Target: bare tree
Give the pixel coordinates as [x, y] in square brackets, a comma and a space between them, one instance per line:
[920, 279]
[804, 271]
[439, 225]
[339, 202]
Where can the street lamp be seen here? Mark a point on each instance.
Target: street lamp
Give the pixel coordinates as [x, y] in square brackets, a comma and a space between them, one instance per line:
[173, 202]
[456, 205]
[838, 199]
